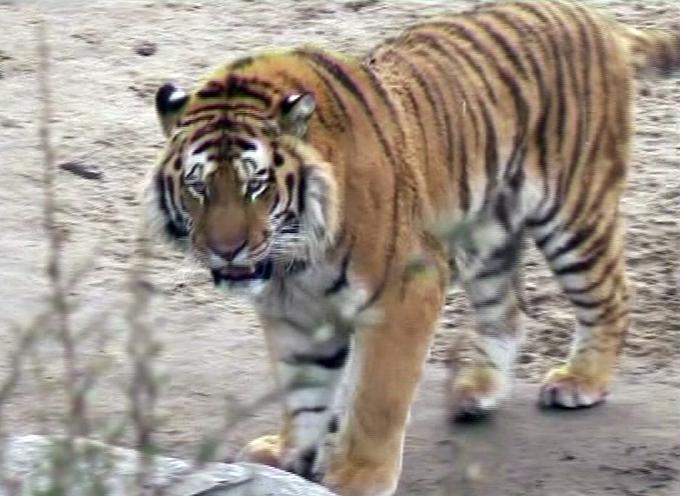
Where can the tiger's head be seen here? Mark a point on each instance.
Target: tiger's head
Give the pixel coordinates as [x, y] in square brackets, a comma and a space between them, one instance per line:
[237, 183]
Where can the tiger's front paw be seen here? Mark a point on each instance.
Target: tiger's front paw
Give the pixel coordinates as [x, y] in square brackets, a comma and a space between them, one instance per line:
[265, 450]
[565, 387]
[362, 479]
[269, 450]
[476, 391]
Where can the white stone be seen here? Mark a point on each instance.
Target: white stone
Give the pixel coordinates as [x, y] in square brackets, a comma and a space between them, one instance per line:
[27, 462]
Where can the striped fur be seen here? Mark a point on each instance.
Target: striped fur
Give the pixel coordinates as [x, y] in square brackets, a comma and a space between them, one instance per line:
[345, 194]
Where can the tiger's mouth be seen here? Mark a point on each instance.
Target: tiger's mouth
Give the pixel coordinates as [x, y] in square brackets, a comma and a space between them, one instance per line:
[243, 273]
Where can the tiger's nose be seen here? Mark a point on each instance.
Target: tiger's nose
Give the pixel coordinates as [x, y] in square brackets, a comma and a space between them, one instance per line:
[228, 250]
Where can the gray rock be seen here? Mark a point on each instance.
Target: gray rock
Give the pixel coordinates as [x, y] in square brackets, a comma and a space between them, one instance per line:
[29, 465]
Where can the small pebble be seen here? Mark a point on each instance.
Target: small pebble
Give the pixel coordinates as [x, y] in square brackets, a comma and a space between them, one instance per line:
[80, 169]
[146, 48]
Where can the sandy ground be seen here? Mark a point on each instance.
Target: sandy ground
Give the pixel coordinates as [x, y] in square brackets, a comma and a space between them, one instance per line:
[108, 57]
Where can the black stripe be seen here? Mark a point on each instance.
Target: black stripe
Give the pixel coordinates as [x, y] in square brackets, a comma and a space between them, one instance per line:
[559, 75]
[309, 409]
[302, 190]
[565, 54]
[492, 159]
[463, 53]
[521, 106]
[590, 304]
[385, 97]
[174, 226]
[223, 107]
[297, 86]
[491, 155]
[244, 144]
[420, 122]
[489, 302]
[290, 184]
[160, 187]
[547, 218]
[333, 68]
[464, 186]
[238, 88]
[336, 70]
[586, 66]
[335, 97]
[204, 146]
[434, 44]
[333, 424]
[604, 276]
[501, 261]
[308, 458]
[425, 85]
[340, 281]
[542, 144]
[572, 243]
[604, 239]
[212, 89]
[275, 202]
[375, 295]
[521, 29]
[502, 212]
[584, 265]
[501, 41]
[579, 107]
[541, 242]
[334, 361]
[543, 132]
[607, 317]
[578, 213]
[583, 235]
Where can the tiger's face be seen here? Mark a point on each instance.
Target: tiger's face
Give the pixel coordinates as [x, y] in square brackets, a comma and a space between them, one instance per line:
[237, 183]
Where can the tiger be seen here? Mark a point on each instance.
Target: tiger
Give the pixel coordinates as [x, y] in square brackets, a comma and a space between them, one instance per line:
[343, 195]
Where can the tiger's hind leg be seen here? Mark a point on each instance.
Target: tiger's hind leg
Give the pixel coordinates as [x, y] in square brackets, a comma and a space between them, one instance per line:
[490, 272]
[586, 256]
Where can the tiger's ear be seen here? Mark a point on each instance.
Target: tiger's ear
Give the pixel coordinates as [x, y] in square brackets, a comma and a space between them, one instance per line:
[295, 112]
[170, 102]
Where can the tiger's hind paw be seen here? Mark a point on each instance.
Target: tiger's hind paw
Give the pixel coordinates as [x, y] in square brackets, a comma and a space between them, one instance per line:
[476, 392]
[563, 388]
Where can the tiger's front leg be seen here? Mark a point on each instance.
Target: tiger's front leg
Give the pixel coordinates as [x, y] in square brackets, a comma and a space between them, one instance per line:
[307, 365]
[388, 356]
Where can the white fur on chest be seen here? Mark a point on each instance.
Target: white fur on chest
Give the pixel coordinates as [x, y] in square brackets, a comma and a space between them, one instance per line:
[304, 299]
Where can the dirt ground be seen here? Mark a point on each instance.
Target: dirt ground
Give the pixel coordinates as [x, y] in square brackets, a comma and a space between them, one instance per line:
[108, 57]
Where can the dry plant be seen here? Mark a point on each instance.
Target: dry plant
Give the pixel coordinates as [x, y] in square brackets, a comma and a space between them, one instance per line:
[71, 464]
[142, 349]
[53, 323]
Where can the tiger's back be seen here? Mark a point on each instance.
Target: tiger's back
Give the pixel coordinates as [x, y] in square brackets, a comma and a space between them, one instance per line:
[510, 96]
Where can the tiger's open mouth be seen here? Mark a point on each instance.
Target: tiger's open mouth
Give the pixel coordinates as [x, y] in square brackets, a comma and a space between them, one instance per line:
[239, 273]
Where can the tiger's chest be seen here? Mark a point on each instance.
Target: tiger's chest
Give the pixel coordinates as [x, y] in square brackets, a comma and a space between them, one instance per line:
[322, 295]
